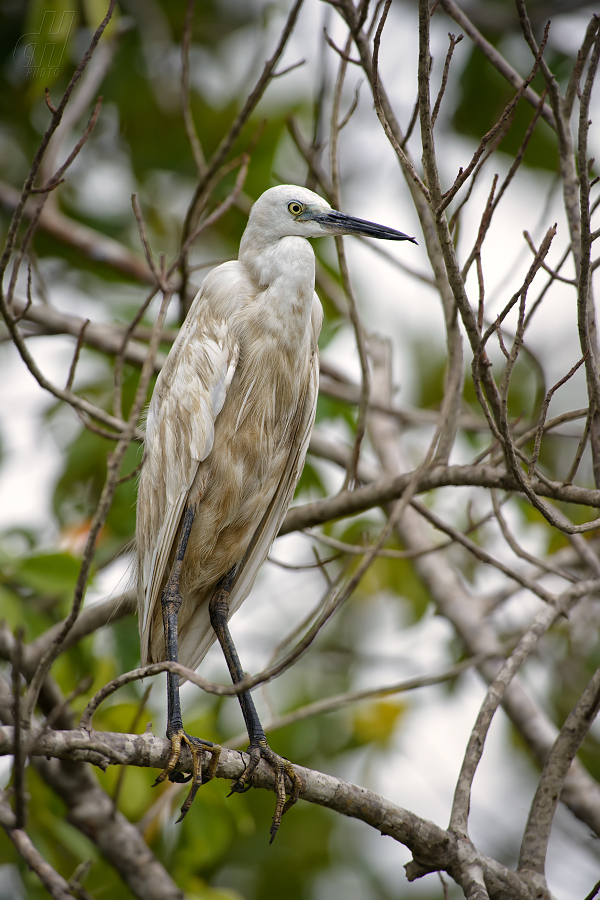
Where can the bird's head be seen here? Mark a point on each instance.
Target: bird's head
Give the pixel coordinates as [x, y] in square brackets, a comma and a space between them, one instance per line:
[289, 210]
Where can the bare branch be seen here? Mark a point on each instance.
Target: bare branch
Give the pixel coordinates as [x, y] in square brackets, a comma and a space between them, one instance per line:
[113, 470]
[464, 174]
[543, 807]
[185, 90]
[54, 883]
[389, 488]
[54, 123]
[436, 108]
[331, 704]
[19, 754]
[543, 413]
[496, 58]
[430, 844]
[542, 622]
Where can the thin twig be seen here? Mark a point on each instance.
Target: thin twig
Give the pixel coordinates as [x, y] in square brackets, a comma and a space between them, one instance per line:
[113, 469]
[331, 704]
[132, 728]
[519, 551]
[496, 691]
[227, 142]
[54, 123]
[436, 108]
[381, 114]
[19, 754]
[186, 100]
[465, 173]
[580, 450]
[543, 807]
[543, 413]
[359, 334]
[77, 351]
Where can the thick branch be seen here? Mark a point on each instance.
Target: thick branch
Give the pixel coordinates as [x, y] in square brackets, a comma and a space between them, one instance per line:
[383, 491]
[430, 844]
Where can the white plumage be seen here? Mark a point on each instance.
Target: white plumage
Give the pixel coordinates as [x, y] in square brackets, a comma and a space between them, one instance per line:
[226, 437]
[228, 426]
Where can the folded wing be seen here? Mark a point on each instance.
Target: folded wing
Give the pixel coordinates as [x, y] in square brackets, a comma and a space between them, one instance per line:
[199, 635]
[189, 395]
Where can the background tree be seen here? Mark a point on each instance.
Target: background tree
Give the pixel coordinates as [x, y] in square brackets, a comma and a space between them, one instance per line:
[427, 626]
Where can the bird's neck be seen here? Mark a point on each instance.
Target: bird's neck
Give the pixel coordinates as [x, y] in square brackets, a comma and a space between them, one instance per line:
[289, 261]
[284, 272]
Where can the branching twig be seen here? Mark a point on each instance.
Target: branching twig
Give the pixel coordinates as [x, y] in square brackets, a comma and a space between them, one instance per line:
[541, 623]
[543, 807]
[436, 108]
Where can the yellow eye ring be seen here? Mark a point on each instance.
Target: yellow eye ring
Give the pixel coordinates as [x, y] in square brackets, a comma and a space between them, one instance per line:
[295, 208]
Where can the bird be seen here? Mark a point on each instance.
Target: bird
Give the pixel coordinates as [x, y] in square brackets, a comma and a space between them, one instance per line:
[227, 432]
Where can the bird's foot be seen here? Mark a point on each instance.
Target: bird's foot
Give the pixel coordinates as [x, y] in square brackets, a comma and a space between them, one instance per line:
[280, 767]
[196, 747]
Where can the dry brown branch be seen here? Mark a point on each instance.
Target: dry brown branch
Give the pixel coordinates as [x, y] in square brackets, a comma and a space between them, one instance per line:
[585, 307]
[89, 808]
[543, 807]
[486, 219]
[453, 42]
[331, 704]
[216, 214]
[54, 123]
[76, 352]
[541, 623]
[388, 488]
[580, 450]
[541, 564]
[343, 54]
[573, 87]
[133, 727]
[464, 174]
[382, 113]
[555, 275]
[543, 413]
[18, 772]
[512, 453]
[54, 883]
[220, 155]
[454, 373]
[482, 555]
[53, 183]
[468, 616]
[89, 242]
[186, 105]
[359, 334]
[496, 58]
[113, 470]
[431, 846]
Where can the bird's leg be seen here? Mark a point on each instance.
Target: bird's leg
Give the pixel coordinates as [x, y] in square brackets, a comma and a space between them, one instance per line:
[258, 748]
[171, 602]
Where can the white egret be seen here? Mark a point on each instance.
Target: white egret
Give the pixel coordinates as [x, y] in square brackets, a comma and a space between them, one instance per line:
[226, 436]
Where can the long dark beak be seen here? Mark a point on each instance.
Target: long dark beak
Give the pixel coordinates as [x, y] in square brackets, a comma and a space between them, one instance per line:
[338, 223]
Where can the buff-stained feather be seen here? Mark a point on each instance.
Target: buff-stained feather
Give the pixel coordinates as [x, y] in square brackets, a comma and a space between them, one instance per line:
[231, 415]
[227, 432]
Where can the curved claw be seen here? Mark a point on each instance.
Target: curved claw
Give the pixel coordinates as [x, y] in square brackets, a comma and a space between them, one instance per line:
[280, 768]
[196, 746]
[237, 788]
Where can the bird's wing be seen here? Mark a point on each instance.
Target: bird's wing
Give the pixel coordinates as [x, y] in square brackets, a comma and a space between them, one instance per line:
[199, 636]
[189, 395]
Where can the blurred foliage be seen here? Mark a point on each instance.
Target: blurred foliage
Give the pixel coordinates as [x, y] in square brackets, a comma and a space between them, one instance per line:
[484, 95]
[220, 851]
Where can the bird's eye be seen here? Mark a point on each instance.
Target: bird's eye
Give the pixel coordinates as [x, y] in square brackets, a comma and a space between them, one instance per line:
[295, 208]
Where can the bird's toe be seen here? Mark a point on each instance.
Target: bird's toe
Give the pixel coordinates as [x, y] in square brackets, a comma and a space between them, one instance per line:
[280, 768]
